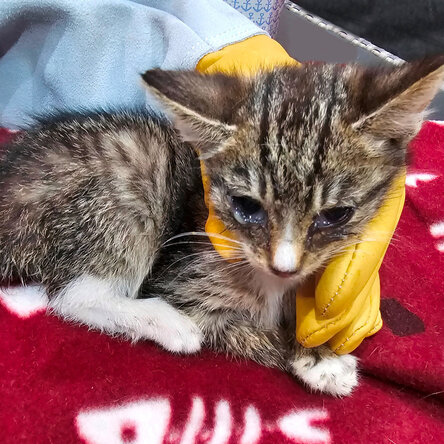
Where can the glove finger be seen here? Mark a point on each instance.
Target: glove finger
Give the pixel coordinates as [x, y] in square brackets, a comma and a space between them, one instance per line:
[347, 275]
[246, 57]
[351, 336]
[314, 329]
[377, 326]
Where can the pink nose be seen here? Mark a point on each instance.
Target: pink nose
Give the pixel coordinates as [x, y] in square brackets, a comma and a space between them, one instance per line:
[283, 274]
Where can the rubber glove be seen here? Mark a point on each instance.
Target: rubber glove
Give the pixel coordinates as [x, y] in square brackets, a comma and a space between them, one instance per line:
[339, 306]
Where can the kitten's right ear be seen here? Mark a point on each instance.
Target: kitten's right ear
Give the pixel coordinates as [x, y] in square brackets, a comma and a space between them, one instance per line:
[200, 106]
[402, 96]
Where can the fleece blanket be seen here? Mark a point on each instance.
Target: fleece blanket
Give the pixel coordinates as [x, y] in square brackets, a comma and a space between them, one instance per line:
[60, 383]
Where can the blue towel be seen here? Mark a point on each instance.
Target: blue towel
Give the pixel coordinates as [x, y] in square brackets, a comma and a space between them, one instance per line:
[58, 54]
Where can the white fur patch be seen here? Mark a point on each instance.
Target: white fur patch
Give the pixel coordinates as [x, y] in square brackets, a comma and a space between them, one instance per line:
[24, 301]
[103, 305]
[335, 375]
[285, 256]
[273, 289]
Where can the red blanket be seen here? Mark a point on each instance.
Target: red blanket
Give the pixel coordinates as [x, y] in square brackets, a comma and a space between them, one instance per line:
[61, 383]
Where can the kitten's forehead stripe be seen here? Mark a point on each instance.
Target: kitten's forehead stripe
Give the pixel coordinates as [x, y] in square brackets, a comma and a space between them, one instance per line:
[325, 119]
[376, 190]
[282, 117]
[262, 185]
[264, 124]
[243, 172]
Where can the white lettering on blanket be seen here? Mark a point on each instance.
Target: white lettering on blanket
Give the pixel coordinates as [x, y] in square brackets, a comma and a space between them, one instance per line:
[150, 421]
[437, 230]
[136, 422]
[412, 179]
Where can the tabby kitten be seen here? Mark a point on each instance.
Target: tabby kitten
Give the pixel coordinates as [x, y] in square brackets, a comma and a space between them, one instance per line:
[107, 210]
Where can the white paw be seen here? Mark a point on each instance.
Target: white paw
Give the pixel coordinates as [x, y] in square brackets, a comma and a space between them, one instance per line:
[184, 338]
[173, 330]
[335, 375]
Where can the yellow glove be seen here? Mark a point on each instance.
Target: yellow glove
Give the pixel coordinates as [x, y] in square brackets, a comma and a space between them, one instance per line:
[341, 305]
[345, 306]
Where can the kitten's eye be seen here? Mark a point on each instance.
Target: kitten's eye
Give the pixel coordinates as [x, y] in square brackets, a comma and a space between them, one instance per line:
[247, 210]
[333, 217]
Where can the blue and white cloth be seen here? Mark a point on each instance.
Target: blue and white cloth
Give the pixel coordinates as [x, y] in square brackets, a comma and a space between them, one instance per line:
[57, 54]
[265, 13]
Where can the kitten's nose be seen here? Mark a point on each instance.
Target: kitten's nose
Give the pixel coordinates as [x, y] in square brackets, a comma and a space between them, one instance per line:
[286, 259]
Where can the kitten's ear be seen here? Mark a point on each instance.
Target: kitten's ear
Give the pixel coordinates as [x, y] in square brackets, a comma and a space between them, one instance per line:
[403, 94]
[200, 106]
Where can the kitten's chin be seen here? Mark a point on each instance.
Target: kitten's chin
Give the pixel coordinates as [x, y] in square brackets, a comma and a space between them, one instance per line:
[275, 277]
[285, 280]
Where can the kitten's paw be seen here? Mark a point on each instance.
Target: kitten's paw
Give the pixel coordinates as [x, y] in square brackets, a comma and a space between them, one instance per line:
[173, 330]
[335, 375]
[184, 338]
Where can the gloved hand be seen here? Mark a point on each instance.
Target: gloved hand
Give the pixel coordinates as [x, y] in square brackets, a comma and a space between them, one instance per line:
[340, 306]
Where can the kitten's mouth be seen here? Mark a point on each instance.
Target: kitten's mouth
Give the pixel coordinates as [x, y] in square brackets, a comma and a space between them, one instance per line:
[284, 274]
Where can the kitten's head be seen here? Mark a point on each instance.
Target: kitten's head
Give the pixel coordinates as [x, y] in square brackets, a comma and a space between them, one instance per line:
[300, 158]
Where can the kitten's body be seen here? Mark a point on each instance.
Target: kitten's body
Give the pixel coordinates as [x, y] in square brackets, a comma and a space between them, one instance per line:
[92, 194]
[94, 206]
[83, 215]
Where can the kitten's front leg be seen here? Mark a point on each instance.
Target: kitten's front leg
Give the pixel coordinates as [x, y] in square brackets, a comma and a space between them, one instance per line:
[319, 369]
[324, 371]
[242, 339]
[103, 305]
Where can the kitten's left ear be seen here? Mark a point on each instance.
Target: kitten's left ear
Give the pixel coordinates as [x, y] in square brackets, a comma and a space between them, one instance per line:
[200, 106]
[406, 91]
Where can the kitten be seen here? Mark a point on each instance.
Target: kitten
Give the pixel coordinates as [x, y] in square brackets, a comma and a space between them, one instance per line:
[107, 210]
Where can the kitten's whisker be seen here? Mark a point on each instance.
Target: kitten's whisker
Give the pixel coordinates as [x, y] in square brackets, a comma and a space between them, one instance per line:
[210, 257]
[383, 238]
[240, 261]
[215, 254]
[192, 263]
[209, 244]
[345, 248]
[202, 233]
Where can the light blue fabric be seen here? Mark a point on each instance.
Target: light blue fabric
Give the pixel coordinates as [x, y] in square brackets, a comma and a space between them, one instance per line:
[58, 54]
